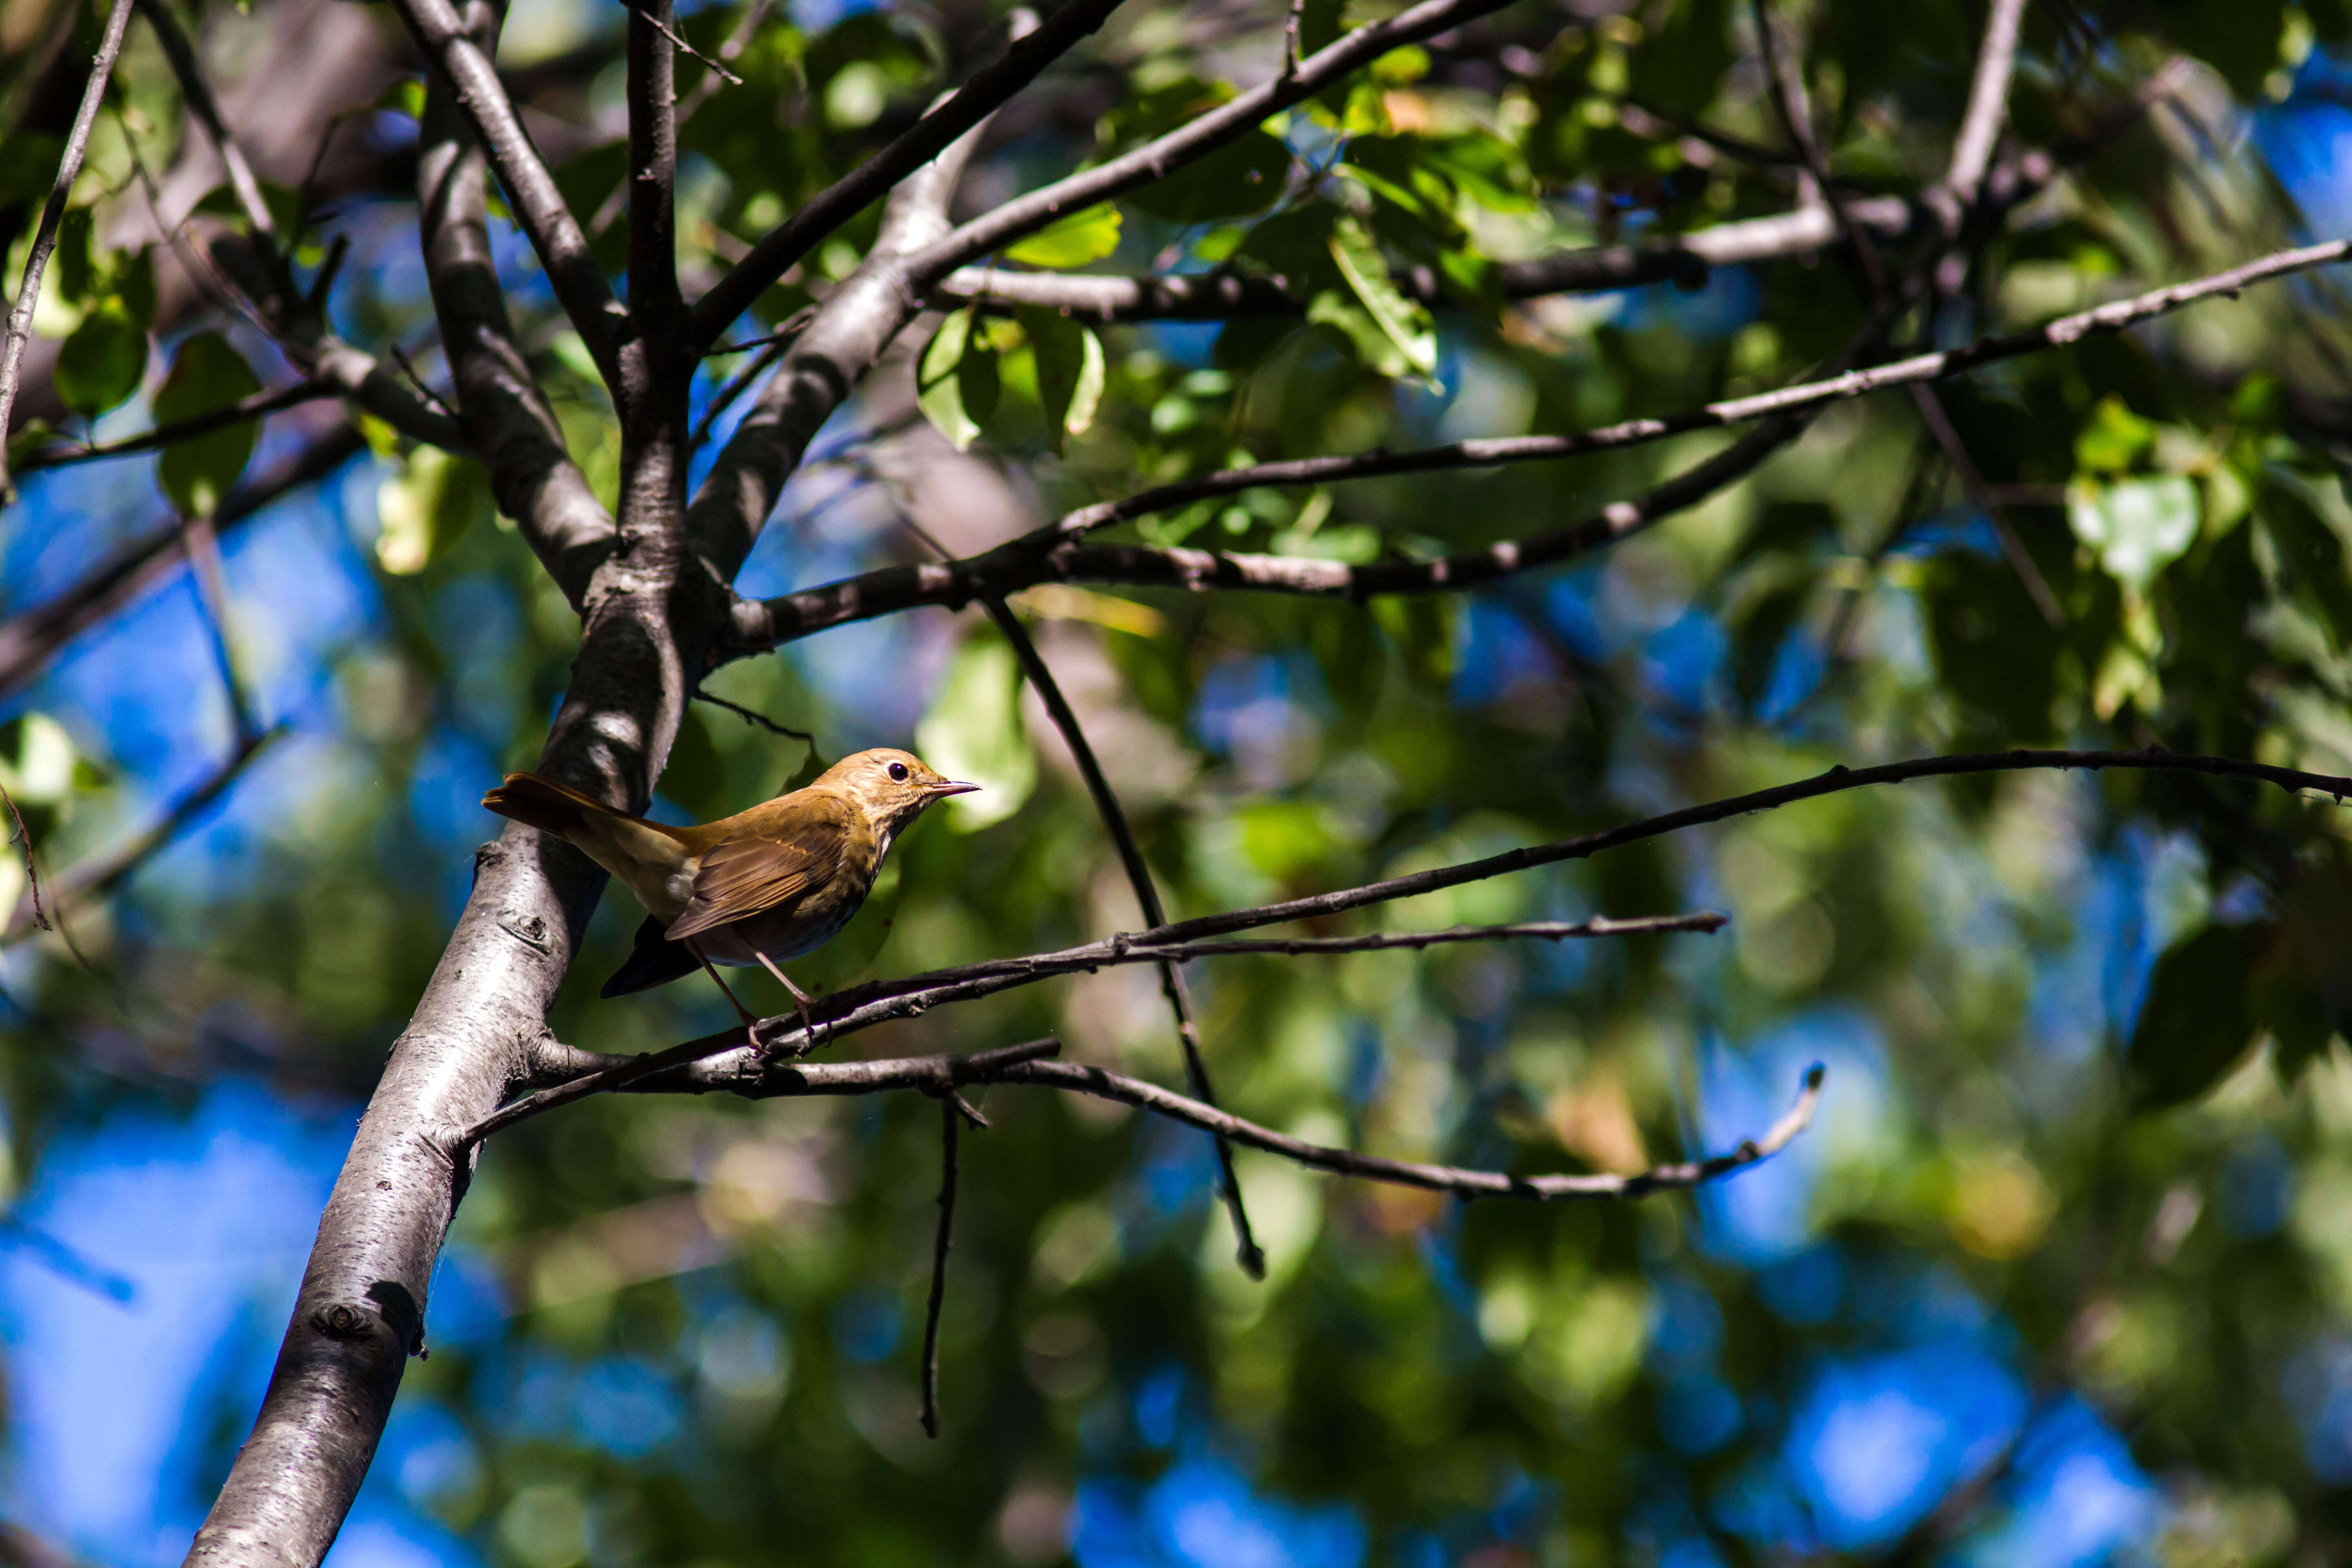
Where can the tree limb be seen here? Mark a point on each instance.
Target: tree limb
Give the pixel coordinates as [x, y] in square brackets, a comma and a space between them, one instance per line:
[1222, 295]
[571, 269]
[19, 330]
[1051, 555]
[1024, 1064]
[245, 408]
[990, 87]
[859, 1007]
[1195, 139]
[506, 412]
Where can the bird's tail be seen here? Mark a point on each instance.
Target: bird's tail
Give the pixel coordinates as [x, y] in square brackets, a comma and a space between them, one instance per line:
[541, 803]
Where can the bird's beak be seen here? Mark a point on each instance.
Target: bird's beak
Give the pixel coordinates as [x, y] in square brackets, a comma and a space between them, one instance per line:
[948, 786]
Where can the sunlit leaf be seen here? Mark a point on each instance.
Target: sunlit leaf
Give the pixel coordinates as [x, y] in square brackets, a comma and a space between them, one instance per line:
[2137, 526]
[956, 380]
[423, 506]
[973, 732]
[1404, 321]
[1071, 241]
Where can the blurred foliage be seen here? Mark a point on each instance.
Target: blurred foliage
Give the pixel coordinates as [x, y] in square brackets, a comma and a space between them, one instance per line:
[2087, 1086]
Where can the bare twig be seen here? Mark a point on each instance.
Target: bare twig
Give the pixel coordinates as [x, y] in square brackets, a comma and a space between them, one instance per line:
[1247, 1253]
[19, 330]
[949, 1120]
[753, 716]
[198, 95]
[1028, 1064]
[861, 1007]
[253, 407]
[1786, 73]
[24, 835]
[1956, 452]
[203, 546]
[1052, 555]
[1981, 127]
[666, 30]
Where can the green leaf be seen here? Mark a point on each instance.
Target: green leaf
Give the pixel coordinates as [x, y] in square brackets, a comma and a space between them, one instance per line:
[100, 362]
[974, 731]
[956, 382]
[2113, 440]
[2199, 1018]
[1243, 176]
[2137, 526]
[208, 374]
[1072, 240]
[1404, 322]
[1069, 370]
[423, 506]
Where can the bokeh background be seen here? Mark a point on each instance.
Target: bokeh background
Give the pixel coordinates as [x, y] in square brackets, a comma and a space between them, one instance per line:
[1991, 1309]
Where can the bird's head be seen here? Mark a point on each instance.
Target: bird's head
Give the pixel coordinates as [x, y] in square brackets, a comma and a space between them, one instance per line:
[892, 786]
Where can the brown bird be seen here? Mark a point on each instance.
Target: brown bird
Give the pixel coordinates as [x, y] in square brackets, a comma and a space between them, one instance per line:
[762, 887]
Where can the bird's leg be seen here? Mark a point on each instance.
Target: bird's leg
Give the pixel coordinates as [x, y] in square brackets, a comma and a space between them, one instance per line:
[800, 997]
[751, 1024]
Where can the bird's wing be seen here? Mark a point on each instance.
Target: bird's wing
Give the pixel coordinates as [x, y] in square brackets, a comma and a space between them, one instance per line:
[743, 877]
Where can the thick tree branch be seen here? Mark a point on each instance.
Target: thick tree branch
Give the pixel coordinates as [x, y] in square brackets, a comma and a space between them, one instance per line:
[19, 330]
[554, 233]
[843, 339]
[513, 426]
[1195, 139]
[1247, 1253]
[1023, 59]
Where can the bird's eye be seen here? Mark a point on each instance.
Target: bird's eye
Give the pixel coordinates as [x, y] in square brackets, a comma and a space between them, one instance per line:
[897, 773]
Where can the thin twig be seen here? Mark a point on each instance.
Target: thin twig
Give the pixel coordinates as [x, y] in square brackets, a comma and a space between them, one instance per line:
[24, 835]
[2100, 321]
[949, 1120]
[1786, 74]
[31, 637]
[1956, 452]
[103, 872]
[253, 407]
[416, 379]
[19, 331]
[666, 31]
[198, 96]
[1247, 1253]
[1191, 142]
[202, 545]
[1987, 106]
[753, 716]
[858, 1007]
[1028, 1064]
